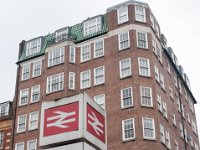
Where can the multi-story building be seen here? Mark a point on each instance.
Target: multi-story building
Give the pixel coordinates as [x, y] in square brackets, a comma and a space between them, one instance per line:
[5, 125]
[121, 60]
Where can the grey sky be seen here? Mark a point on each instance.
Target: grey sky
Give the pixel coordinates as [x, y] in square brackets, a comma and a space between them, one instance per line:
[26, 19]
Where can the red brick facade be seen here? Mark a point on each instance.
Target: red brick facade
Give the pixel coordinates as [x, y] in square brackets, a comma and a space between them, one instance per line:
[113, 84]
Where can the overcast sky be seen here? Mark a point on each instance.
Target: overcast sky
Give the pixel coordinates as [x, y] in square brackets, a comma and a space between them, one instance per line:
[26, 19]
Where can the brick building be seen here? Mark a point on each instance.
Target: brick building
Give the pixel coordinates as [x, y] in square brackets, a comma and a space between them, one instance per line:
[5, 125]
[121, 60]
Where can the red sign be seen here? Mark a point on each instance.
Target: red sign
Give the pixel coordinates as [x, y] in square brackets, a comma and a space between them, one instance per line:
[95, 123]
[61, 119]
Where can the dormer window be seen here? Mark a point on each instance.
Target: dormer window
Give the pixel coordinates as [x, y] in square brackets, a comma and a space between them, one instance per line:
[62, 34]
[33, 46]
[4, 109]
[92, 25]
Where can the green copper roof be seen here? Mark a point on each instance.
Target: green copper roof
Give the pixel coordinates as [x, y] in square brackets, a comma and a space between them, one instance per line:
[76, 34]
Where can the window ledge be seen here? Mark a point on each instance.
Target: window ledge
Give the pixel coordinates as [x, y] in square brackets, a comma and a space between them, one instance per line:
[34, 102]
[149, 76]
[22, 105]
[95, 85]
[98, 57]
[128, 107]
[55, 92]
[48, 67]
[30, 130]
[33, 77]
[129, 76]
[129, 140]
[143, 48]
[144, 106]
[128, 48]
[85, 88]
[119, 24]
[150, 139]
[82, 62]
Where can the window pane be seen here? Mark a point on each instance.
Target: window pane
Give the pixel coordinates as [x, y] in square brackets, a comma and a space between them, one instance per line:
[126, 97]
[125, 68]
[56, 57]
[98, 49]
[85, 79]
[55, 82]
[100, 99]
[128, 129]
[142, 40]
[124, 41]
[99, 75]
[146, 96]
[122, 14]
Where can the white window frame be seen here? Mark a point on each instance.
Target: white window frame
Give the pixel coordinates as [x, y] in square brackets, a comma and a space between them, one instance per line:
[92, 26]
[191, 141]
[152, 21]
[128, 67]
[72, 80]
[157, 76]
[153, 128]
[23, 123]
[183, 110]
[133, 128]
[162, 134]
[130, 97]
[37, 68]
[98, 52]
[178, 104]
[85, 56]
[36, 92]
[144, 67]
[188, 118]
[72, 54]
[168, 68]
[168, 142]
[53, 59]
[26, 71]
[162, 81]
[123, 38]
[171, 92]
[31, 121]
[181, 130]
[159, 101]
[175, 80]
[145, 41]
[1, 139]
[89, 79]
[165, 114]
[159, 52]
[101, 75]
[18, 144]
[174, 119]
[33, 46]
[176, 145]
[24, 96]
[143, 14]
[196, 147]
[4, 109]
[194, 127]
[150, 97]
[157, 30]
[29, 142]
[58, 77]
[123, 14]
[100, 100]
